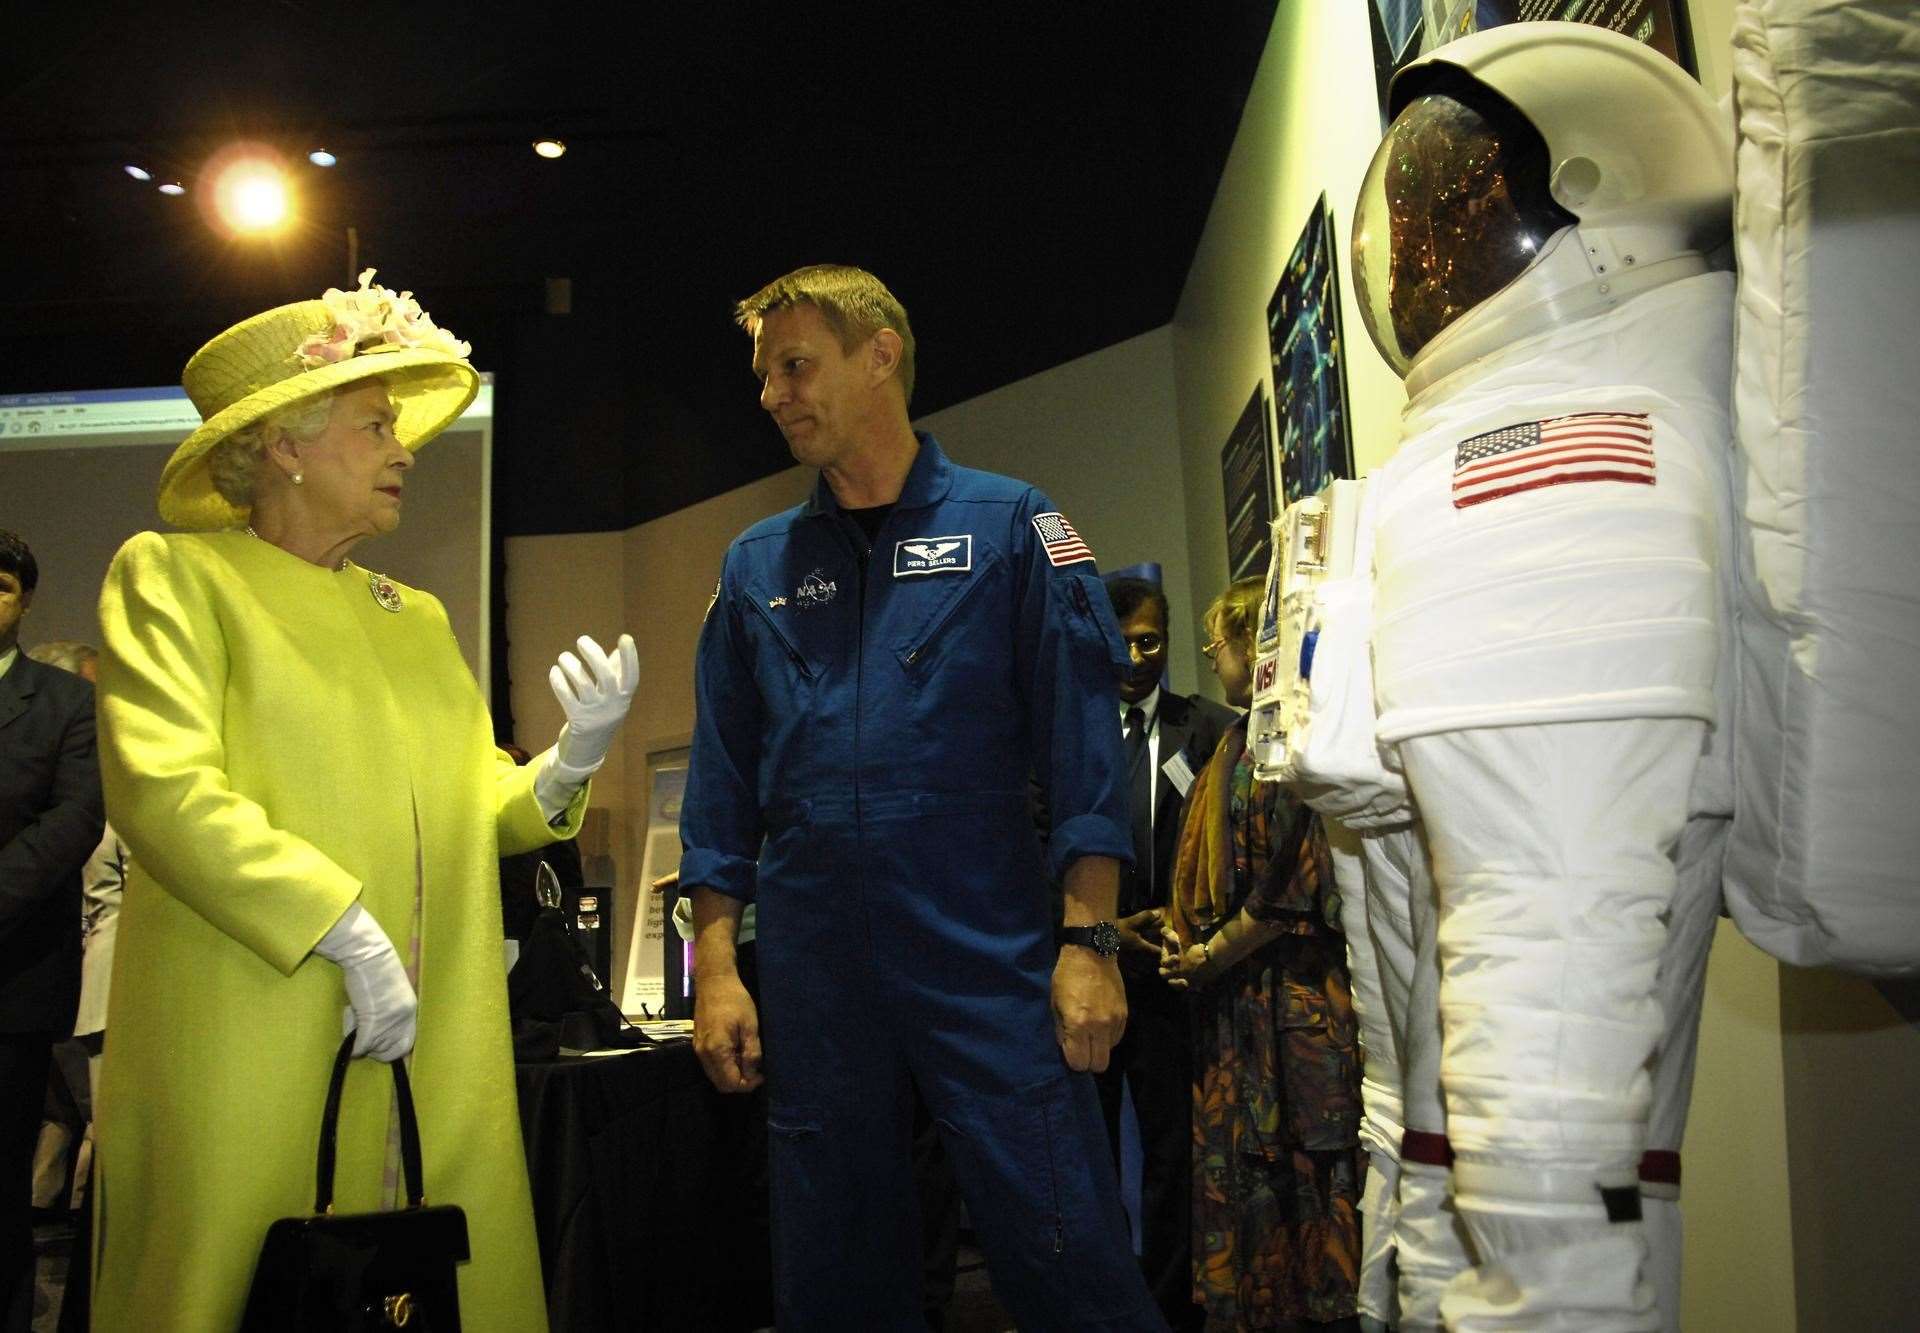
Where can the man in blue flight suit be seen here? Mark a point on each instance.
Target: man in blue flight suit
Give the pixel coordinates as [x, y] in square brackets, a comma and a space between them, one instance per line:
[879, 671]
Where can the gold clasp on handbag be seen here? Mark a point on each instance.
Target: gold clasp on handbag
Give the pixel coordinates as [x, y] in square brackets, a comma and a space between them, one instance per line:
[399, 1309]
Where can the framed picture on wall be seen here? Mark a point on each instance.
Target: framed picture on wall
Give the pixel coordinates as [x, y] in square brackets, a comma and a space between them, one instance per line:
[1246, 474]
[1661, 24]
[1399, 27]
[1311, 423]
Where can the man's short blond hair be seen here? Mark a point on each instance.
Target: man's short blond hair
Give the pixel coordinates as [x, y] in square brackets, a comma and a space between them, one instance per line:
[855, 304]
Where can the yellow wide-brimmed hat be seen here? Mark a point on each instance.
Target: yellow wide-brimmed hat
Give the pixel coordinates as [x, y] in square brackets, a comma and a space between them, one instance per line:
[303, 350]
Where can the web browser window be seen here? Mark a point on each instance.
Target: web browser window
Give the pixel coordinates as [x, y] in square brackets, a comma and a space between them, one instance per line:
[80, 472]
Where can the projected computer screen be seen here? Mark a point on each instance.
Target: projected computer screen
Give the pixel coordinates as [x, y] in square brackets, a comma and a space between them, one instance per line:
[79, 472]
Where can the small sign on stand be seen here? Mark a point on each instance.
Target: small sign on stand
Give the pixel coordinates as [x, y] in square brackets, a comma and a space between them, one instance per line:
[643, 994]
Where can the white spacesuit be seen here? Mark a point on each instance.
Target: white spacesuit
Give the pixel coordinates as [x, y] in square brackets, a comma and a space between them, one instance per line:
[1551, 600]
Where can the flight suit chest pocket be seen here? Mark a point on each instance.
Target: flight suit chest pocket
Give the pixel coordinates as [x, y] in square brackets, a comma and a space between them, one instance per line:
[784, 671]
[951, 627]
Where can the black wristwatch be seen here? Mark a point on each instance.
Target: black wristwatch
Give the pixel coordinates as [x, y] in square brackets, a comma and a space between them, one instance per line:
[1103, 937]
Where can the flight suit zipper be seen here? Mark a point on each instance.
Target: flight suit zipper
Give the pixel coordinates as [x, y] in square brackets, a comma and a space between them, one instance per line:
[861, 558]
[913, 655]
[793, 654]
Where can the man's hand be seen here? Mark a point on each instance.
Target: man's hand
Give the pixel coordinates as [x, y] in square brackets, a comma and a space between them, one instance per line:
[1140, 933]
[726, 1033]
[1089, 1007]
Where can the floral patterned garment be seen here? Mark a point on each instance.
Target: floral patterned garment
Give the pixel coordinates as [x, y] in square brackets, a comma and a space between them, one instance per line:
[1278, 1168]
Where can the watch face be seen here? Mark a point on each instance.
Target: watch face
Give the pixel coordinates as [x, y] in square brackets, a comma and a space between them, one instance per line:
[1106, 938]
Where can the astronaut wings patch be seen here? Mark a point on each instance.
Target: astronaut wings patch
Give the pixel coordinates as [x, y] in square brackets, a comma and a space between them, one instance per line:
[933, 555]
[1589, 446]
[1058, 539]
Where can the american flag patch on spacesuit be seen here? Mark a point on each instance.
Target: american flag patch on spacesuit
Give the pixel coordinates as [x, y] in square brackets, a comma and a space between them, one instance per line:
[1057, 537]
[1589, 446]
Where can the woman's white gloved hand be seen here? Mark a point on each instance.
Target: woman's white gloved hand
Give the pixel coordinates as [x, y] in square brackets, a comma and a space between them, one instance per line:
[384, 1009]
[594, 691]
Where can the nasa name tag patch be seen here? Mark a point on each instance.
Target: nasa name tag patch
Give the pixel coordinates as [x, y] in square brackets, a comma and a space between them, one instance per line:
[933, 555]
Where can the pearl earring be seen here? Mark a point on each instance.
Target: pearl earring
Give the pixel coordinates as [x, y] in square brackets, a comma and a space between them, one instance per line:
[298, 477]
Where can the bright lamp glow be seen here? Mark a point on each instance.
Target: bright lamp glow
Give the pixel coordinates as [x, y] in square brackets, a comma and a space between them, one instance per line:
[258, 202]
[246, 191]
[549, 148]
[320, 157]
[138, 173]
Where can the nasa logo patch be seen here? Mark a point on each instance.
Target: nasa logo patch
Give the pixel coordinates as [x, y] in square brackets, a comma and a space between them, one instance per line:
[933, 555]
[815, 590]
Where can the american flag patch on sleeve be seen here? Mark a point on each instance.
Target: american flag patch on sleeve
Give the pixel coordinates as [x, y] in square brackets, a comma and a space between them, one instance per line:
[1058, 539]
[1590, 446]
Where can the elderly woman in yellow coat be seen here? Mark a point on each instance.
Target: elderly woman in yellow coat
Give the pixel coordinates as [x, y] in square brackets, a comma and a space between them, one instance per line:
[302, 767]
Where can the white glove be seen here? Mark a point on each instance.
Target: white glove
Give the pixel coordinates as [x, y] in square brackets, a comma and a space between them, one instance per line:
[595, 692]
[383, 1010]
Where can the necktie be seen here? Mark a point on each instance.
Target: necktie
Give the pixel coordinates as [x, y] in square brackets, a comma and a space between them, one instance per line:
[1140, 802]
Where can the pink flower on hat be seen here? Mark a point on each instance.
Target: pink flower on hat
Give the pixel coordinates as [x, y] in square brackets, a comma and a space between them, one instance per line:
[375, 317]
[326, 348]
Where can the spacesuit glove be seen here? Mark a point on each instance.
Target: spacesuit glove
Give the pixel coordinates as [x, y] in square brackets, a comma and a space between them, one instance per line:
[383, 1010]
[594, 691]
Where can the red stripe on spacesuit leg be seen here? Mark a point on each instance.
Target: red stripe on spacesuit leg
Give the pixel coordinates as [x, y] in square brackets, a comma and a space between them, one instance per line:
[1418, 1145]
[1660, 1166]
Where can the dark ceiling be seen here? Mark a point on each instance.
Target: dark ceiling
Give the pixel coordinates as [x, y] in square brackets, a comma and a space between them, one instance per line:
[1031, 180]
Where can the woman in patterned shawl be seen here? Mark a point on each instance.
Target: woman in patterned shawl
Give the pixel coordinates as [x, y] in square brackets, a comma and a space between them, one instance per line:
[1254, 935]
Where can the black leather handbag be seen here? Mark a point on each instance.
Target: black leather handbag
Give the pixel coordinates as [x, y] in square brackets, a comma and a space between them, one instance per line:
[328, 1274]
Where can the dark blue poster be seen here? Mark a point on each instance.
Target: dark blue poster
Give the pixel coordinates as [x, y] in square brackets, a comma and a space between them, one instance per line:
[1309, 373]
[1246, 476]
[1400, 27]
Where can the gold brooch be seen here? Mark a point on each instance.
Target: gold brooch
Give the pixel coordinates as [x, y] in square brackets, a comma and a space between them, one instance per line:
[384, 592]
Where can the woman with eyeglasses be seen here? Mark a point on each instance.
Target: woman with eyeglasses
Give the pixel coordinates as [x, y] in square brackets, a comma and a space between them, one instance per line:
[1253, 933]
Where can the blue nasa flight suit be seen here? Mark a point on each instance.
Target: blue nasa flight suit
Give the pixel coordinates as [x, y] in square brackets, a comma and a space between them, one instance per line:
[860, 771]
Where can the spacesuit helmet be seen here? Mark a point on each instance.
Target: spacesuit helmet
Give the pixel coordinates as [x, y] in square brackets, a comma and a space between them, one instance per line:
[1533, 174]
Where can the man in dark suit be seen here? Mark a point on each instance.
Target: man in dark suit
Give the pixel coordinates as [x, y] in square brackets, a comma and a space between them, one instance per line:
[50, 821]
[1169, 738]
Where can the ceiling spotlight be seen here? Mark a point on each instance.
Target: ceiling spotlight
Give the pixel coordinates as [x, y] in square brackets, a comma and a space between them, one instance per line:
[320, 157]
[171, 187]
[138, 173]
[245, 190]
[549, 148]
[256, 202]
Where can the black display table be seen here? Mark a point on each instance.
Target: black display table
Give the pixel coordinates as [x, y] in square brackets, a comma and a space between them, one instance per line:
[649, 1193]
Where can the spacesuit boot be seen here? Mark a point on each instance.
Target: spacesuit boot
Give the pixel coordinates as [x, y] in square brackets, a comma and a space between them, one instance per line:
[1551, 567]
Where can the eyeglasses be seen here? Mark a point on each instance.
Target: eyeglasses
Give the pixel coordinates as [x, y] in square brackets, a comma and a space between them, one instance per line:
[1212, 647]
[1145, 644]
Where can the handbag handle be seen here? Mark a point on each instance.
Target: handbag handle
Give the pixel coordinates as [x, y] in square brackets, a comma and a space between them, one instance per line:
[330, 1125]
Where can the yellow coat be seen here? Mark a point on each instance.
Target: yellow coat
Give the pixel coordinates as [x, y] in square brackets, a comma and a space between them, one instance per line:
[274, 743]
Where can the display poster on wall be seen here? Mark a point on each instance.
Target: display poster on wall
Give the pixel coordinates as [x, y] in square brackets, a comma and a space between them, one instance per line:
[1309, 374]
[1397, 27]
[1400, 27]
[1246, 474]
